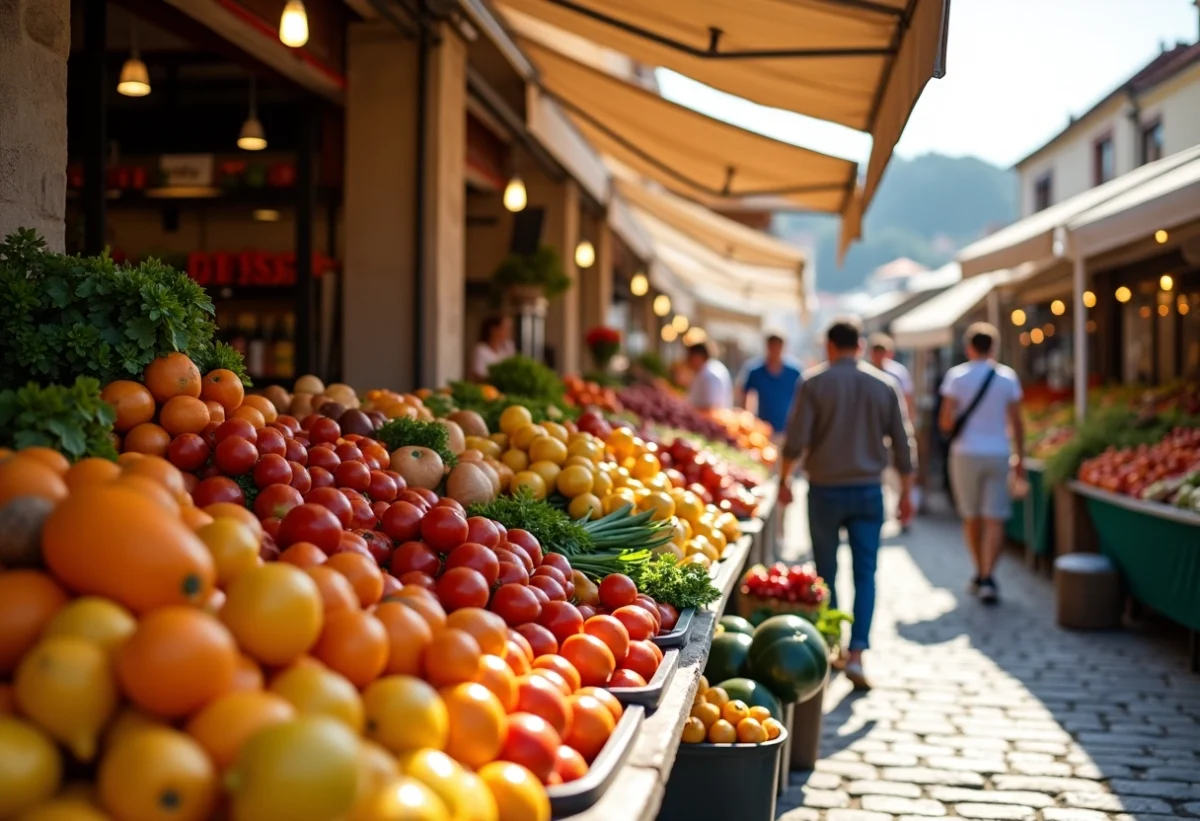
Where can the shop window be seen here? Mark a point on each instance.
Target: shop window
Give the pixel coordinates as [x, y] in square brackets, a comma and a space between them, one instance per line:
[1043, 192]
[1152, 142]
[1104, 160]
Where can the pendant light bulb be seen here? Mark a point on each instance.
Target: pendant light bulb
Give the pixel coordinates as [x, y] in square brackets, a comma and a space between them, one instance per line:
[639, 285]
[585, 254]
[293, 25]
[515, 195]
[252, 137]
[135, 79]
[662, 305]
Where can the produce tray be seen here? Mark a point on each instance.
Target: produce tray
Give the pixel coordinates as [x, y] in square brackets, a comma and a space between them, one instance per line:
[679, 636]
[651, 695]
[577, 796]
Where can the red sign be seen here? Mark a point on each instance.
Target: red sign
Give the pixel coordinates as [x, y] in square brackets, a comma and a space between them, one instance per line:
[251, 268]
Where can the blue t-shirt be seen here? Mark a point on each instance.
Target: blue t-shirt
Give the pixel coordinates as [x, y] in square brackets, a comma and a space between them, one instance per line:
[775, 392]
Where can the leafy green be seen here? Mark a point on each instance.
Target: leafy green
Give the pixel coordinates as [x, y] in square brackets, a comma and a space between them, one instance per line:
[73, 420]
[553, 528]
[440, 405]
[681, 586]
[402, 432]
[523, 376]
[469, 396]
[220, 355]
[68, 316]
[1118, 427]
[543, 268]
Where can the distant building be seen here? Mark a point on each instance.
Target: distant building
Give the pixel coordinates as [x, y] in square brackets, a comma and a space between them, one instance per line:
[1155, 113]
[893, 276]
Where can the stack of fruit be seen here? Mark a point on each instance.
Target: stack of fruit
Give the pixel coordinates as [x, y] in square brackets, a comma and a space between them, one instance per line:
[719, 719]
[1156, 472]
[587, 394]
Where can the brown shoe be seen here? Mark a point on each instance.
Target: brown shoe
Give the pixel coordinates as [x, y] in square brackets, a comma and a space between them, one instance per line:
[854, 672]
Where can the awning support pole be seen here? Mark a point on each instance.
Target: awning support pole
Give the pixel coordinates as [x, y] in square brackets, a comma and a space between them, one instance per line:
[1081, 348]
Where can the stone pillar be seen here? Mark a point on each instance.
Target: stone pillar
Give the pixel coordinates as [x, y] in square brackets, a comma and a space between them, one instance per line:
[562, 318]
[35, 38]
[597, 282]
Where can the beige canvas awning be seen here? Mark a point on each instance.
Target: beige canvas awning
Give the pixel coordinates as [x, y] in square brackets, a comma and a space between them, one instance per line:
[931, 324]
[860, 63]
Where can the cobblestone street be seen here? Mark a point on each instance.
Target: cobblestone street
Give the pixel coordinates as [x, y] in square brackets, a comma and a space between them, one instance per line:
[995, 713]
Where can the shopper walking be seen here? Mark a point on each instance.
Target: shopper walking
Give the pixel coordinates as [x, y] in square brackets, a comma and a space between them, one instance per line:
[981, 414]
[844, 411]
[712, 387]
[772, 381]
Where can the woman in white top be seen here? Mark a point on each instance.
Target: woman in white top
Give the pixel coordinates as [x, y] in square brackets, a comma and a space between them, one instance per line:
[495, 343]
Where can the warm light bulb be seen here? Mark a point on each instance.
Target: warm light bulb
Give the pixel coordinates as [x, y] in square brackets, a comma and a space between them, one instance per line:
[662, 305]
[680, 322]
[585, 254]
[1161, 236]
[1024, 339]
[515, 195]
[252, 137]
[1036, 336]
[1089, 299]
[1048, 329]
[1018, 317]
[1144, 312]
[1183, 307]
[293, 25]
[135, 79]
[1091, 326]
[1166, 282]
[669, 334]
[1123, 294]
[695, 336]
[639, 285]
[1058, 307]
[1163, 310]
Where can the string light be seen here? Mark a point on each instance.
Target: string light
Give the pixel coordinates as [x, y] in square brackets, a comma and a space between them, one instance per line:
[639, 285]
[515, 195]
[1089, 299]
[1166, 282]
[669, 334]
[1161, 236]
[1036, 336]
[585, 254]
[1144, 312]
[680, 323]
[1018, 317]
[1091, 326]
[1024, 339]
[662, 305]
[1123, 294]
[1058, 307]
[1163, 310]
[1048, 329]
[293, 24]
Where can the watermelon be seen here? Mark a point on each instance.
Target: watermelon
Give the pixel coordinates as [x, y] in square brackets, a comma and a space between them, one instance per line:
[789, 656]
[727, 657]
[736, 624]
[754, 694]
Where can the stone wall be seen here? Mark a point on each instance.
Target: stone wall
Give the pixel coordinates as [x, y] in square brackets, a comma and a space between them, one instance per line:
[35, 38]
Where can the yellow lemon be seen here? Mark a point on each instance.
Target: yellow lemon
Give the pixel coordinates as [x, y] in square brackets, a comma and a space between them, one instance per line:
[405, 713]
[661, 503]
[517, 460]
[402, 799]
[158, 774]
[97, 620]
[30, 766]
[437, 771]
[547, 449]
[548, 471]
[574, 481]
[376, 768]
[514, 417]
[315, 690]
[694, 731]
[233, 545]
[556, 431]
[528, 479]
[475, 801]
[585, 506]
[65, 684]
[603, 484]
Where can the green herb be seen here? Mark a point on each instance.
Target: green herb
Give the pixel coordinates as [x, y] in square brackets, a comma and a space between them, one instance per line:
[440, 405]
[681, 586]
[249, 488]
[73, 420]
[625, 530]
[598, 565]
[542, 269]
[552, 528]
[522, 376]
[829, 624]
[220, 355]
[402, 432]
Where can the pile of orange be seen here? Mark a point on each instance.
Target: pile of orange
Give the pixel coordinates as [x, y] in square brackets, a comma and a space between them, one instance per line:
[749, 432]
[394, 405]
[147, 651]
[587, 394]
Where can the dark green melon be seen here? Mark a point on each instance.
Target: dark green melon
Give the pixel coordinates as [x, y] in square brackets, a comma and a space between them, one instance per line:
[727, 657]
[789, 656]
[736, 624]
[754, 694]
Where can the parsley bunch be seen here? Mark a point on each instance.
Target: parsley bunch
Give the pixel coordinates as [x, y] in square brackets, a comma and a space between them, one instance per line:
[552, 528]
[73, 420]
[681, 586]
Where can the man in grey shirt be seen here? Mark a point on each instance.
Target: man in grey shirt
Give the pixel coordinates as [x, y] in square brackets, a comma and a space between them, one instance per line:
[845, 415]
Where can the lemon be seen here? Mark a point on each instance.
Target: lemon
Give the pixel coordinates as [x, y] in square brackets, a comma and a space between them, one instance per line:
[376, 768]
[316, 690]
[523, 437]
[405, 713]
[587, 449]
[557, 431]
[65, 684]
[585, 506]
[500, 439]
[233, 545]
[548, 449]
[574, 481]
[157, 773]
[402, 799]
[97, 620]
[517, 460]
[547, 470]
[64, 809]
[514, 417]
[475, 801]
[531, 480]
[30, 767]
[707, 713]
[661, 503]
[305, 769]
[437, 771]
[694, 731]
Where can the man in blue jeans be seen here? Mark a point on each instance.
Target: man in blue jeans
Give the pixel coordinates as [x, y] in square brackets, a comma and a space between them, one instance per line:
[845, 415]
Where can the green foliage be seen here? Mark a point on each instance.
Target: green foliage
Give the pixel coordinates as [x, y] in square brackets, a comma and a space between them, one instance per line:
[440, 405]
[68, 316]
[681, 586]
[523, 376]
[249, 488]
[73, 420]
[402, 432]
[220, 355]
[1117, 427]
[553, 528]
[653, 364]
[543, 268]
[469, 396]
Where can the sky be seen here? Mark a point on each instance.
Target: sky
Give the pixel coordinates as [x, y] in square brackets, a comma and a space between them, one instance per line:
[1015, 70]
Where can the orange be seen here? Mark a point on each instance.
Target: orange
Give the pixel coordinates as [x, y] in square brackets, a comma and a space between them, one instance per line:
[591, 725]
[315, 690]
[194, 517]
[453, 657]
[497, 676]
[400, 797]
[759, 714]
[694, 731]
[26, 476]
[114, 542]
[611, 631]
[708, 714]
[606, 698]
[773, 728]
[337, 594]
[250, 414]
[232, 545]
[749, 731]
[362, 572]
[226, 723]
[591, 657]
[248, 676]
[404, 713]
[425, 605]
[184, 414]
[519, 795]
[489, 629]
[376, 767]
[177, 660]
[722, 732]
[735, 711]
[537, 695]
[263, 405]
[161, 471]
[158, 774]
[274, 611]
[131, 400]
[216, 411]
[477, 724]
[91, 471]
[561, 666]
[242, 514]
[147, 438]
[305, 555]
[49, 457]
[29, 600]
[172, 375]
[408, 636]
[554, 678]
[354, 644]
[223, 387]
[152, 490]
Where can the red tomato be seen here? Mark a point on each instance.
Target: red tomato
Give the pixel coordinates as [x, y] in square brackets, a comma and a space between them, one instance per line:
[188, 451]
[553, 572]
[348, 452]
[537, 696]
[352, 542]
[512, 573]
[319, 477]
[482, 530]
[289, 421]
[623, 677]
[569, 764]
[443, 529]
[391, 585]
[591, 657]
[532, 743]
[354, 475]
[235, 427]
[561, 618]
[553, 590]
[274, 501]
[362, 517]
[333, 501]
[401, 485]
[521, 553]
[351, 494]
[617, 590]
[310, 523]
[521, 644]
[637, 621]
[586, 610]
[428, 495]
[556, 560]
[301, 480]
[379, 545]
[235, 456]
[476, 557]
[324, 429]
[296, 452]
[272, 469]
[415, 499]
[323, 458]
[515, 604]
[640, 659]
[381, 487]
[217, 489]
[650, 606]
[271, 441]
[417, 579]
[462, 587]
[453, 504]
[528, 541]
[307, 422]
[539, 639]
[402, 521]
[669, 617]
[271, 527]
[415, 557]
[379, 508]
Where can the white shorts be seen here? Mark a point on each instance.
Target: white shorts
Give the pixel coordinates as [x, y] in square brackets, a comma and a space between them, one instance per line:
[980, 485]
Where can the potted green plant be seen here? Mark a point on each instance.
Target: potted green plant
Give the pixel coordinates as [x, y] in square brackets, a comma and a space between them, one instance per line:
[529, 277]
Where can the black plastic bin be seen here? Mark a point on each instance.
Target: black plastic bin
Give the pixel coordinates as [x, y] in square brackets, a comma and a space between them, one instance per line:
[719, 782]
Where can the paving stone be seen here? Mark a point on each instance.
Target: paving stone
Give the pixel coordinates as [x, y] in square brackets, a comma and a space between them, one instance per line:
[800, 814]
[971, 764]
[1051, 768]
[1107, 802]
[890, 759]
[1189, 774]
[848, 769]
[995, 812]
[1066, 814]
[825, 799]
[921, 750]
[1047, 784]
[1171, 790]
[856, 815]
[1192, 807]
[1049, 747]
[897, 788]
[895, 805]
[928, 775]
[822, 781]
[961, 742]
[957, 795]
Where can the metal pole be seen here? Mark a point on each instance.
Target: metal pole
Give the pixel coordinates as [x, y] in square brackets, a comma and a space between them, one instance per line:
[1081, 350]
[95, 117]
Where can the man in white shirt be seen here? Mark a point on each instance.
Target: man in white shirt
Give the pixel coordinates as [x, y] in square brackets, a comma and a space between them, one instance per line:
[882, 352]
[712, 386]
[981, 413]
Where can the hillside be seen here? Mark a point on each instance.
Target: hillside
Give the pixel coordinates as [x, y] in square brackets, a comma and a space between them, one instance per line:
[926, 208]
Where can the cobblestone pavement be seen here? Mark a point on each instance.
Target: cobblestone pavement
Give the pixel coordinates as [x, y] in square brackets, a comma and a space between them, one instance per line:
[995, 714]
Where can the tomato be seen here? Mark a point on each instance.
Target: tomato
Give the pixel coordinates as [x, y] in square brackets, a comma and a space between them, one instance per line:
[553, 572]
[453, 504]
[515, 604]
[272, 469]
[540, 640]
[217, 489]
[381, 487]
[296, 452]
[586, 610]
[307, 422]
[623, 677]
[521, 553]
[532, 743]
[324, 429]
[443, 529]
[561, 618]
[310, 523]
[391, 585]
[538, 696]
[641, 659]
[417, 579]
[428, 495]
[668, 617]
[512, 573]
[637, 621]
[569, 764]
[333, 501]
[617, 590]
[415, 556]
[351, 494]
[323, 458]
[591, 657]
[541, 595]
[415, 499]
[235, 427]
[481, 530]
[401, 485]
[528, 541]
[520, 643]
[349, 452]
[379, 508]
[289, 422]
[555, 560]
[235, 455]
[271, 441]
[650, 606]
[353, 543]
[610, 631]
[320, 477]
[274, 501]
[553, 590]
[354, 475]
[462, 587]
[301, 480]
[402, 521]
[591, 725]
[362, 516]
[188, 451]
[271, 527]
[476, 557]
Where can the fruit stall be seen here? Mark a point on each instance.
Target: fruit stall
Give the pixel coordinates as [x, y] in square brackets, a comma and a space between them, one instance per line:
[477, 602]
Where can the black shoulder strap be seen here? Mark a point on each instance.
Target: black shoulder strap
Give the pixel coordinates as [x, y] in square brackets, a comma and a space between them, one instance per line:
[961, 421]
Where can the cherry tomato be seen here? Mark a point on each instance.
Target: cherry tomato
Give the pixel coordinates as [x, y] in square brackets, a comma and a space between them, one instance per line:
[515, 604]
[415, 499]
[428, 495]
[235, 427]
[482, 530]
[402, 521]
[641, 659]
[235, 456]
[324, 429]
[561, 618]
[528, 541]
[669, 617]
[476, 557]
[272, 469]
[271, 441]
[415, 557]
[419, 580]
[512, 573]
[443, 529]
[617, 590]
[217, 489]
[323, 458]
[548, 586]
[276, 500]
[348, 452]
[354, 475]
[296, 452]
[301, 480]
[462, 587]
[188, 451]
[381, 487]
[332, 500]
[310, 523]
[540, 640]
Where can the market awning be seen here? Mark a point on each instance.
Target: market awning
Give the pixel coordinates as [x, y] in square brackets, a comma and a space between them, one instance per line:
[931, 324]
[860, 63]
[1032, 238]
[624, 224]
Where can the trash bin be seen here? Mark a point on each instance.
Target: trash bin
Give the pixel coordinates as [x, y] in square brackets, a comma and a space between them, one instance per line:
[722, 781]
[1088, 592]
[807, 720]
